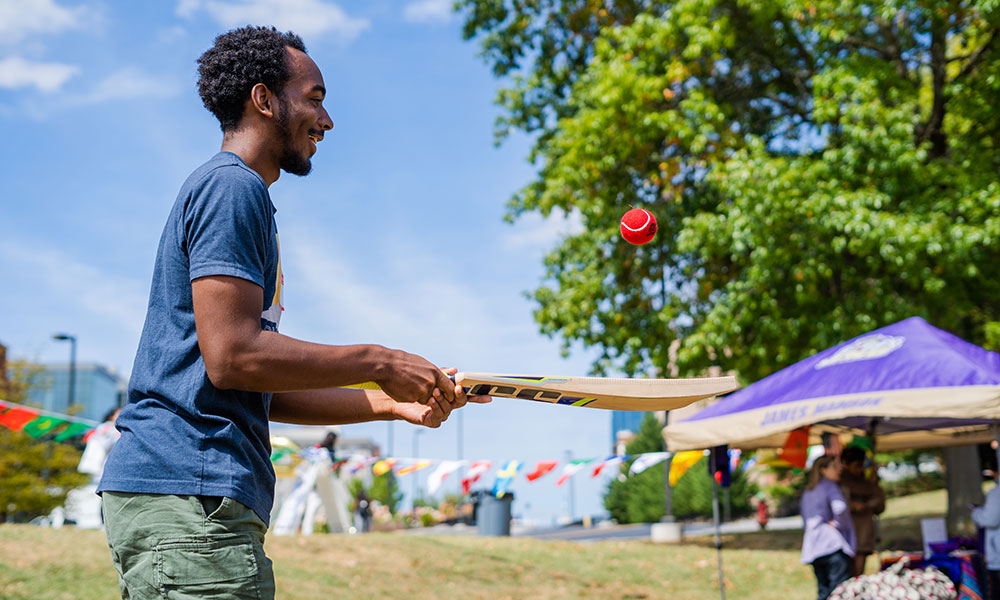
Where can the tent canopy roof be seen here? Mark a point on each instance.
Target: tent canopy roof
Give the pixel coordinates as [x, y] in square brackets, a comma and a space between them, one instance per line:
[909, 376]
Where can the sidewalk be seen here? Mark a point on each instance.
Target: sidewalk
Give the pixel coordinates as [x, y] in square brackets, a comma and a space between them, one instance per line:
[606, 531]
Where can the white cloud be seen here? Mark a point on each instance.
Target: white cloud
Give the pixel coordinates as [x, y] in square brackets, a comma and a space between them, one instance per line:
[22, 18]
[534, 231]
[16, 72]
[110, 298]
[403, 296]
[428, 11]
[127, 84]
[304, 17]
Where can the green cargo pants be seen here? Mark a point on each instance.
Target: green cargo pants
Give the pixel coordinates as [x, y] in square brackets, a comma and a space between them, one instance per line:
[186, 547]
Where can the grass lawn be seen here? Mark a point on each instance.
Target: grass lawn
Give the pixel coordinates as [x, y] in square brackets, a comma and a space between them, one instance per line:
[43, 564]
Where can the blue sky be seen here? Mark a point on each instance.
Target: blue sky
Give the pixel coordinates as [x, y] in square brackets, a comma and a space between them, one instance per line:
[395, 238]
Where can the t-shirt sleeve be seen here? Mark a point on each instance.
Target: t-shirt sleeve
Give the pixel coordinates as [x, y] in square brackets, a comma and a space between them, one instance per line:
[226, 226]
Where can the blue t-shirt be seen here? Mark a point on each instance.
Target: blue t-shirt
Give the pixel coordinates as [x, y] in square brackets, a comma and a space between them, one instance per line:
[180, 434]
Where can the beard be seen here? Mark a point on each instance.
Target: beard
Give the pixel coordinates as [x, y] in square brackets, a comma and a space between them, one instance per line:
[291, 161]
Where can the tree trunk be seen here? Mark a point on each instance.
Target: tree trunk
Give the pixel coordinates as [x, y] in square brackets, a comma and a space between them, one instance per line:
[964, 478]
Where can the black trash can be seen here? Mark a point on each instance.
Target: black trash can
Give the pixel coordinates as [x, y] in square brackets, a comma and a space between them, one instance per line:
[493, 514]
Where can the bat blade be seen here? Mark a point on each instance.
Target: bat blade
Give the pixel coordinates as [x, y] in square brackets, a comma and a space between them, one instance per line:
[609, 393]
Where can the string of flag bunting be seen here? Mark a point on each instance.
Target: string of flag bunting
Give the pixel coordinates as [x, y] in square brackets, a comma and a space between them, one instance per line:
[507, 471]
[43, 424]
[56, 427]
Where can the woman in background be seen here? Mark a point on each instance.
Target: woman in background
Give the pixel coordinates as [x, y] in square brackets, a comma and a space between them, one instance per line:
[987, 516]
[828, 539]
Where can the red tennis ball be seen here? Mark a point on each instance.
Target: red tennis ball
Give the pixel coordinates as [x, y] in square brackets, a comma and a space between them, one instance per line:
[638, 226]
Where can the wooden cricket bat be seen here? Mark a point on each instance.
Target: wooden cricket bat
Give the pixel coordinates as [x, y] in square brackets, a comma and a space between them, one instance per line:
[609, 393]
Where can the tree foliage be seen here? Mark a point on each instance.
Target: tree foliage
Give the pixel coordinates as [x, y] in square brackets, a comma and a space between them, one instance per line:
[35, 475]
[817, 168]
[385, 489]
[640, 498]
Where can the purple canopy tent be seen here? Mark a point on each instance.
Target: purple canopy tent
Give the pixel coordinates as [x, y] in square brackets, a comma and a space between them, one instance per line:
[923, 386]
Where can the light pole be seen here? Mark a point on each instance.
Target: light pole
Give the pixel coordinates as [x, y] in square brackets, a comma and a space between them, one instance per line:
[416, 452]
[389, 439]
[64, 337]
[461, 451]
[572, 499]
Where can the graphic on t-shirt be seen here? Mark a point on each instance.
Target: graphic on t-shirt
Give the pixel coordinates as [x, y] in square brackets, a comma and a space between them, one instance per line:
[271, 316]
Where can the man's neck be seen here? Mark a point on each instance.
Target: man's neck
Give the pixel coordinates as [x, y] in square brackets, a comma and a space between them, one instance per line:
[254, 152]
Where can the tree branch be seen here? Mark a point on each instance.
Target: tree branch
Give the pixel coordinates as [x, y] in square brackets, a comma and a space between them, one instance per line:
[976, 57]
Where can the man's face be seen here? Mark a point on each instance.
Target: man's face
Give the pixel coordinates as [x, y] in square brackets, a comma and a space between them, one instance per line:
[855, 468]
[301, 118]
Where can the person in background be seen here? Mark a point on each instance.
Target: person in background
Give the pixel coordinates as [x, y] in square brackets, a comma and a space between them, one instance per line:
[828, 539]
[987, 516]
[865, 499]
[99, 444]
[362, 512]
[83, 506]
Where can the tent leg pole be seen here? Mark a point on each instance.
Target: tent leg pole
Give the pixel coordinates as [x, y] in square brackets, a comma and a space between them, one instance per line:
[996, 440]
[718, 533]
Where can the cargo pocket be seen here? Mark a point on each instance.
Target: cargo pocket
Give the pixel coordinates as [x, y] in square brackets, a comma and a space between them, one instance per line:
[216, 566]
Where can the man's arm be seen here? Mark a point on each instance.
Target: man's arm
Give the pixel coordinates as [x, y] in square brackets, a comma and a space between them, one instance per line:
[239, 355]
[342, 406]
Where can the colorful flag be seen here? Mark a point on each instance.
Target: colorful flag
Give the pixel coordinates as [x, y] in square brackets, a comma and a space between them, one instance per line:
[436, 478]
[571, 469]
[612, 461]
[541, 468]
[681, 462]
[734, 459]
[476, 470]
[72, 430]
[416, 465]
[36, 428]
[383, 466]
[356, 462]
[17, 417]
[647, 460]
[505, 476]
[796, 449]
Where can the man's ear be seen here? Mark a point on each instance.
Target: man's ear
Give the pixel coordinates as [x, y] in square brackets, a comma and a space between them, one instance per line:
[263, 101]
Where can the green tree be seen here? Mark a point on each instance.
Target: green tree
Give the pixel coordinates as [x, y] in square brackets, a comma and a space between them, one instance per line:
[817, 168]
[35, 475]
[386, 490]
[639, 498]
[693, 492]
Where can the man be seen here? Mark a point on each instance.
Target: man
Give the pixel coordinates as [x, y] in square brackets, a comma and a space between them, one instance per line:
[866, 499]
[188, 488]
[987, 517]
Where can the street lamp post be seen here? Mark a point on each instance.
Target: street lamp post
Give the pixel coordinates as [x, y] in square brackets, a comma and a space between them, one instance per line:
[63, 337]
[416, 452]
[461, 450]
[572, 494]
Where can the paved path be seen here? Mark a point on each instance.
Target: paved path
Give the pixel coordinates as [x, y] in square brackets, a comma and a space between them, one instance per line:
[606, 531]
[577, 533]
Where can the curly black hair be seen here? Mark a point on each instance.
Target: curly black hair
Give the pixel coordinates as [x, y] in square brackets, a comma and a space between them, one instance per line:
[852, 454]
[239, 60]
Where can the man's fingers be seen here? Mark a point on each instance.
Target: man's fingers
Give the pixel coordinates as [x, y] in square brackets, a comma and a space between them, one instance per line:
[460, 397]
[445, 384]
[438, 413]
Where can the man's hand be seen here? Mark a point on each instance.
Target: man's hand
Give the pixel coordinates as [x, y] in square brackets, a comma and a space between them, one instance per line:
[436, 409]
[411, 378]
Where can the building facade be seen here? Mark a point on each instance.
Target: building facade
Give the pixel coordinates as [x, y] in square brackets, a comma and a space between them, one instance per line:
[97, 389]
